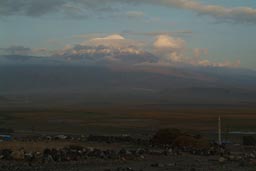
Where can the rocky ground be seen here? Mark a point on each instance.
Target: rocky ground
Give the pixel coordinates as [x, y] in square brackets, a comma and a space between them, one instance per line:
[124, 153]
[182, 162]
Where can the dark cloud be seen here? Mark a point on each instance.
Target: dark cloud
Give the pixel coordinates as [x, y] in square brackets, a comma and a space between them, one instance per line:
[21, 50]
[72, 9]
[84, 8]
[32, 8]
[16, 50]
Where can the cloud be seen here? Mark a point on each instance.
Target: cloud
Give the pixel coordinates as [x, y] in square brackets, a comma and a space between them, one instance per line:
[221, 13]
[16, 50]
[114, 40]
[168, 48]
[81, 7]
[110, 37]
[157, 33]
[85, 8]
[164, 50]
[105, 55]
[164, 41]
[238, 14]
[198, 52]
[205, 62]
[135, 14]
[21, 50]
[111, 49]
[32, 8]
[172, 51]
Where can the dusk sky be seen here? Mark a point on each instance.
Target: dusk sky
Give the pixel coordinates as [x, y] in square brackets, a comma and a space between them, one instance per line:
[197, 32]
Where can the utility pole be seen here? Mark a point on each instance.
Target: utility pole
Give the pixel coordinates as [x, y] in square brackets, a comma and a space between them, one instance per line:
[219, 131]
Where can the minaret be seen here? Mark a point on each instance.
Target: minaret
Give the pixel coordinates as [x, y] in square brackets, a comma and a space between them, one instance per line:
[219, 131]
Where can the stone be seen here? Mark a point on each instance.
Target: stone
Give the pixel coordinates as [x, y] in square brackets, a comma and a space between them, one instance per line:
[157, 165]
[251, 155]
[18, 155]
[29, 156]
[171, 164]
[48, 159]
[6, 153]
[222, 159]
[231, 157]
[170, 151]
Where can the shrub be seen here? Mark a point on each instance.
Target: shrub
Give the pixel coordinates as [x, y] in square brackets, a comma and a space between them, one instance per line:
[166, 136]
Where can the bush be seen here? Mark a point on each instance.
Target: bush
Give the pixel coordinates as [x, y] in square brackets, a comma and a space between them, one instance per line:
[191, 142]
[166, 136]
[249, 140]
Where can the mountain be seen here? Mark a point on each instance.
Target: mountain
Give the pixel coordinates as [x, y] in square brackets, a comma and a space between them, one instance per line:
[41, 82]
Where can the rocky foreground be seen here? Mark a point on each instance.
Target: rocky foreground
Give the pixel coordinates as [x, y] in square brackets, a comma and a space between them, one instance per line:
[167, 150]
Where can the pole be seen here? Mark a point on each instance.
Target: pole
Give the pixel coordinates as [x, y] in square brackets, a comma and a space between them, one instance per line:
[219, 131]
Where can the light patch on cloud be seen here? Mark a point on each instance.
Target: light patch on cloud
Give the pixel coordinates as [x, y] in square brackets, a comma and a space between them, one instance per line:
[157, 33]
[172, 50]
[114, 40]
[168, 49]
[164, 42]
[205, 62]
[111, 37]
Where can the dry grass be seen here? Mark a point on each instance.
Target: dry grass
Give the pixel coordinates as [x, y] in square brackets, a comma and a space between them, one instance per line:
[39, 146]
[33, 146]
[129, 120]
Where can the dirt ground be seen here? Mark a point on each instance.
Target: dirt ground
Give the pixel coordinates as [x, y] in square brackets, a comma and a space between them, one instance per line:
[150, 163]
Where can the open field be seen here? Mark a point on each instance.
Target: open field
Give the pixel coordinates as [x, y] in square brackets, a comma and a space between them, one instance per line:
[125, 120]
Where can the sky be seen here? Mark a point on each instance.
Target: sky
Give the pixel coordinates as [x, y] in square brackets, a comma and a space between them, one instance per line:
[194, 32]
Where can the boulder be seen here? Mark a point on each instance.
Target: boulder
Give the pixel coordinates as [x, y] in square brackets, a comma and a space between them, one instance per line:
[18, 155]
[6, 154]
[222, 160]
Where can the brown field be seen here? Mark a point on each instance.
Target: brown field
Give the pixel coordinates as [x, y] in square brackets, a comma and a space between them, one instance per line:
[127, 120]
[39, 146]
